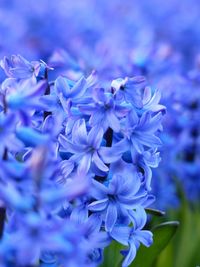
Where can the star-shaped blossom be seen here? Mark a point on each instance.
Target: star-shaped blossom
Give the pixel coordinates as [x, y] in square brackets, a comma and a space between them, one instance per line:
[151, 102]
[20, 68]
[143, 163]
[141, 132]
[105, 110]
[84, 147]
[65, 93]
[132, 237]
[131, 89]
[121, 195]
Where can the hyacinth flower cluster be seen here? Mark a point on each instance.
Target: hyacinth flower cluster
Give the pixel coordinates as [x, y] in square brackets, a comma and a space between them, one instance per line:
[179, 169]
[181, 158]
[76, 163]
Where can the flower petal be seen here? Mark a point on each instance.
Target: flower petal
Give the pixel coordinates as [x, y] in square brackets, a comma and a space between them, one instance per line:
[79, 88]
[112, 154]
[62, 86]
[99, 163]
[111, 216]
[79, 132]
[139, 217]
[84, 164]
[69, 146]
[96, 118]
[95, 137]
[98, 205]
[130, 256]
[121, 234]
[113, 121]
[145, 237]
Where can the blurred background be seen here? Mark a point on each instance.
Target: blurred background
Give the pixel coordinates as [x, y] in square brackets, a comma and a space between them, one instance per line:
[158, 39]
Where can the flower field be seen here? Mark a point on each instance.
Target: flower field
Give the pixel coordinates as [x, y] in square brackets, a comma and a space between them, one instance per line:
[99, 133]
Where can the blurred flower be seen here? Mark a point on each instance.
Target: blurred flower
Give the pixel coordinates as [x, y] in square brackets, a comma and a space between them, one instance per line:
[20, 68]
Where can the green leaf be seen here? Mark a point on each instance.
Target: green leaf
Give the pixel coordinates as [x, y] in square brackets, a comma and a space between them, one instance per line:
[112, 255]
[188, 238]
[155, 212]
[166, 258]
[162, 234]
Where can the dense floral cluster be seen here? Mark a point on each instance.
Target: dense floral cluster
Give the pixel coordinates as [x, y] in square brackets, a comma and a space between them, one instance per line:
[76, 163]
[78, 148]
[179, 169]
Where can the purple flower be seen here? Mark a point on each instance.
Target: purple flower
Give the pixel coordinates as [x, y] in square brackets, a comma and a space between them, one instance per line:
[143, 163]
[36, 235]
[81, 171]
[23, 96]
[65, 93]
[84, 147]
[7, 133]
[151, 103]
[122, 194]
[105, 110]
[131, 89]
[60, 58]
[31, 137]
[132, 237]
[19, 68]
[140, 132]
